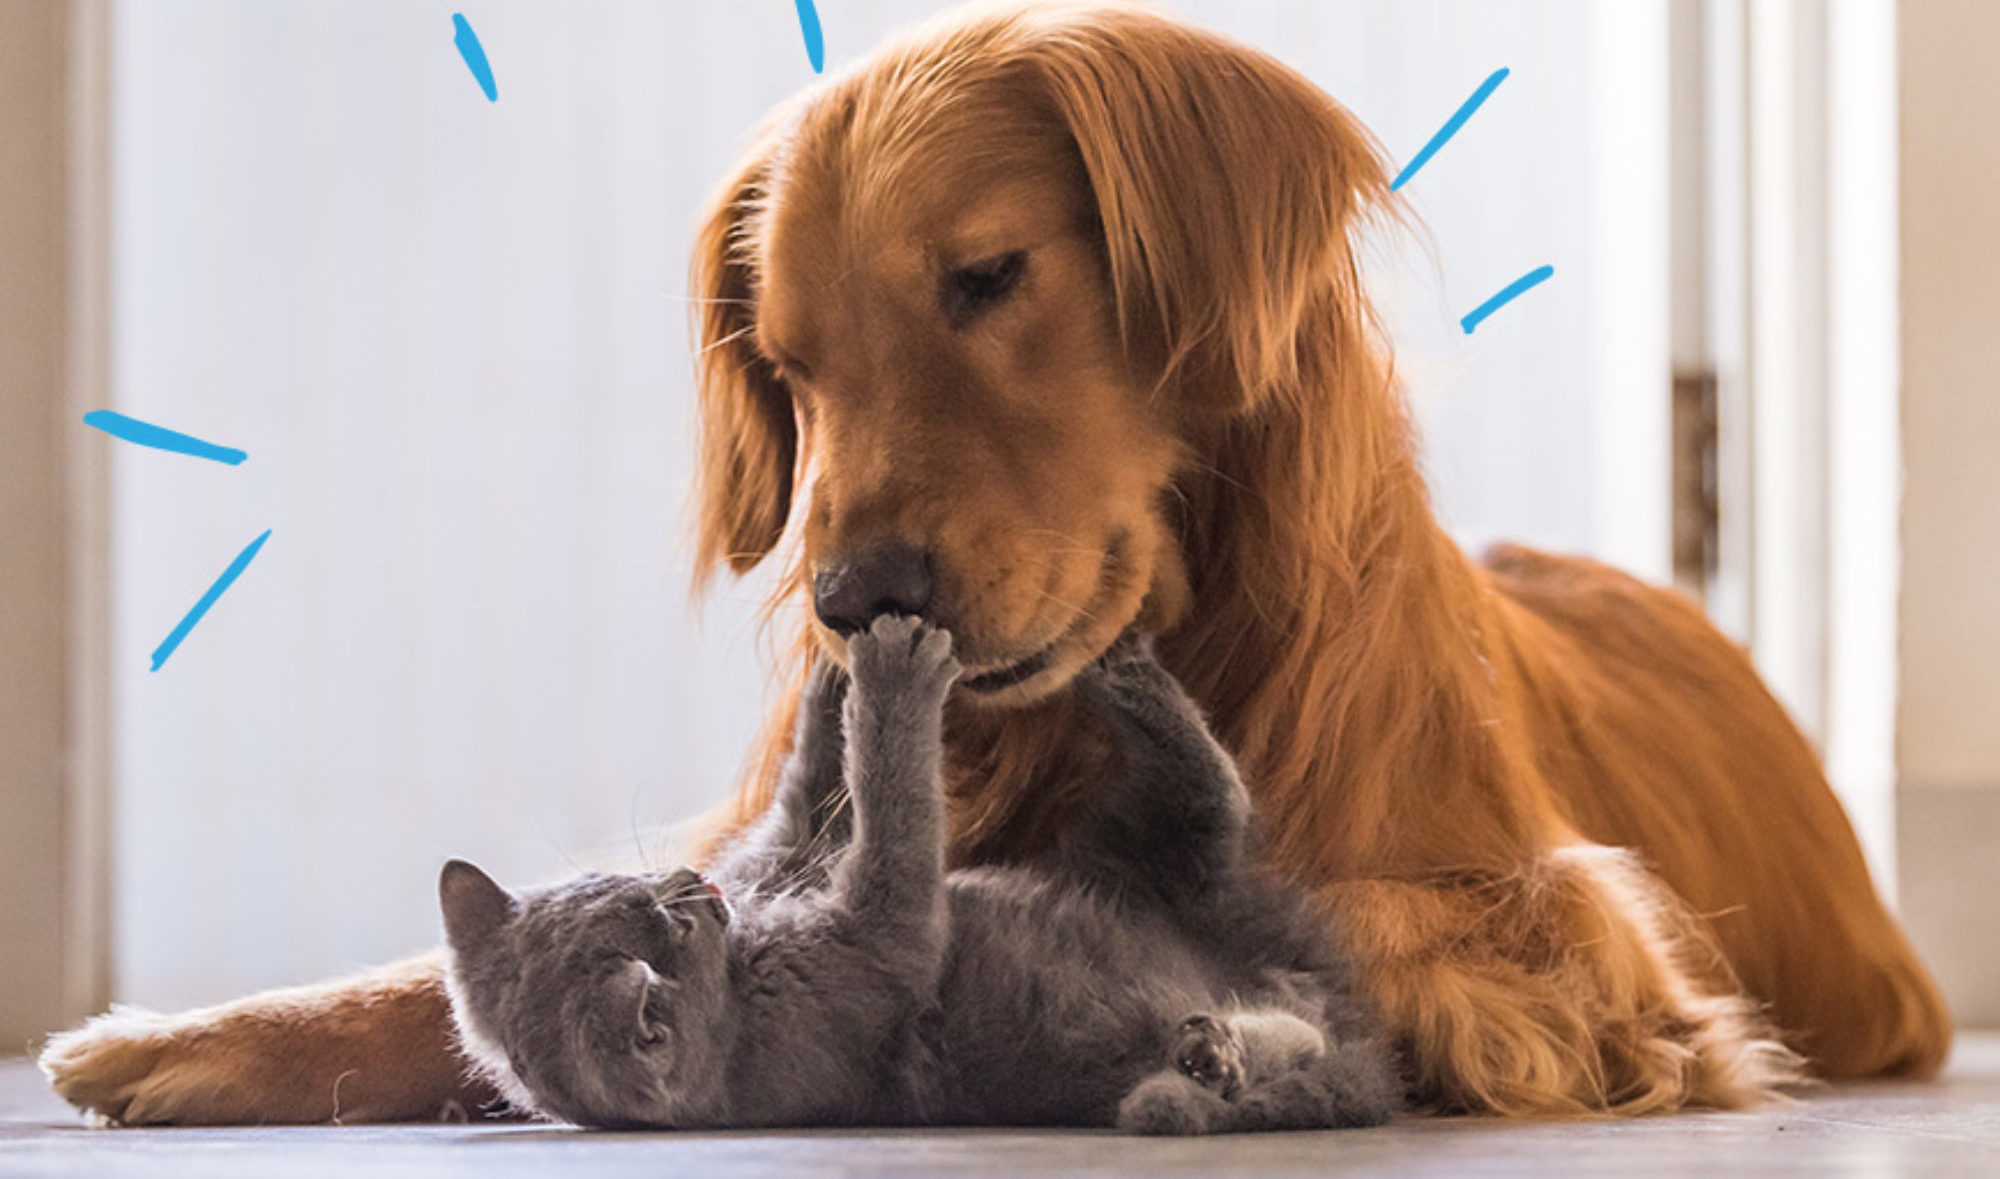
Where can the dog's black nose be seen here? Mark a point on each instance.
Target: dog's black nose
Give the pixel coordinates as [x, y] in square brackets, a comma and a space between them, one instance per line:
[894, 579]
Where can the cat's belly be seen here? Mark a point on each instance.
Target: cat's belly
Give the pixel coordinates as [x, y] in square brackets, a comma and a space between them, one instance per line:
[1054, 1002]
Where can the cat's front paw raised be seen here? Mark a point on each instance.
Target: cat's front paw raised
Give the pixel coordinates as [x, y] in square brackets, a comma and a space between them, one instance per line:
[899, 654]
[824, 694]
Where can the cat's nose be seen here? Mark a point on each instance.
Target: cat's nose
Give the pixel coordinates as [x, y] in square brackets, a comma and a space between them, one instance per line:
[712, 892]
[888, 579]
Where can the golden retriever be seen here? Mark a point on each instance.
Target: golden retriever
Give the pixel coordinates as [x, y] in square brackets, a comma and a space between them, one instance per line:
[1045, 322]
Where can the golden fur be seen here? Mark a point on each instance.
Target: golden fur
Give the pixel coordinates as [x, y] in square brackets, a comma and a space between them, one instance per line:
[1586, 862]
[1449, 753]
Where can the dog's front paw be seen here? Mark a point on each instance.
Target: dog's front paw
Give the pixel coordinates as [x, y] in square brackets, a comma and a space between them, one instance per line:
[902, 656]
[111, 1064]
[135, 1068]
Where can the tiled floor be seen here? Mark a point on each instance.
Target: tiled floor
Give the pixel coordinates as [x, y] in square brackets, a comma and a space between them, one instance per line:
[1950, 1127]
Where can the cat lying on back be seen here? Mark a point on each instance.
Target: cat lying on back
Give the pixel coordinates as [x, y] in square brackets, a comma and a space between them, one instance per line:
[1139, 974]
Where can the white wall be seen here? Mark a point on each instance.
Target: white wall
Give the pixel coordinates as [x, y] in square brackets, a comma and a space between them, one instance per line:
[1948, 722]
[1951, 398]
[451, 336]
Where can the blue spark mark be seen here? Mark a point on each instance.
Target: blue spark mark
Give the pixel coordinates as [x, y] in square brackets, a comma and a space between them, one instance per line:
[474, 54]
[1512, 291]
[228, 578]
[1450, 127]
[160, 438]
[815, 40]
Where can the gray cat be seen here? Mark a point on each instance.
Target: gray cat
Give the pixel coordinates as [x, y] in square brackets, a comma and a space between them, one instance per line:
[830, 972]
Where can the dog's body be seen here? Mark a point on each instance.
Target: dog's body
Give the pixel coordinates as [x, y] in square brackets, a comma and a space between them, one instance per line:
[1048, 324]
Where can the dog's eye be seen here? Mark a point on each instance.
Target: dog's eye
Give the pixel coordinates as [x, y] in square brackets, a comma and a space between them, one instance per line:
[789, 367]
[973, 289]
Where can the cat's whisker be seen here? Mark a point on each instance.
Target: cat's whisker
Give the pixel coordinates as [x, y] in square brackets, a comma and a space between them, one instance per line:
[638, 839]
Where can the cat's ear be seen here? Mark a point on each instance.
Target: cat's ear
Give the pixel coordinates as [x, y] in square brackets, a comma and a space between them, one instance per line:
[635, 985]
[475, 906]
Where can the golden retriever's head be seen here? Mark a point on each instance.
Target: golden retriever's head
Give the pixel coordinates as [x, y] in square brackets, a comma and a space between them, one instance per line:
[974, 305]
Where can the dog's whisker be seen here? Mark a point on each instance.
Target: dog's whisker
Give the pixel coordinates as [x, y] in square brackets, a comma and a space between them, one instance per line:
[1070, 545]
[725, 341]
[1081, 611]
[706, 301]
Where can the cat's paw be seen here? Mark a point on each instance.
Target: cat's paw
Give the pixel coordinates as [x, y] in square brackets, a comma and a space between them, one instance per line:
[1129, 652]
[1130, 662]
[1210, 1053]
[825, 690]
[1127, 683]
[900, 654]
[1168, 1103]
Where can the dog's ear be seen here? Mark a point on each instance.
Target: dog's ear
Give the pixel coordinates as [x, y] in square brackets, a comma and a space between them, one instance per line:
[749, 436]
[1226, 185]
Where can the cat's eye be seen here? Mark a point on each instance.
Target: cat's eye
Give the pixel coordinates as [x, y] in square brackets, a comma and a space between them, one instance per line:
[971, 291]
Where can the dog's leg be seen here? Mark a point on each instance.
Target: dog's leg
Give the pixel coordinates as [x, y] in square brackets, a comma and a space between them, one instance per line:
[1577, 985]
[378, 1047]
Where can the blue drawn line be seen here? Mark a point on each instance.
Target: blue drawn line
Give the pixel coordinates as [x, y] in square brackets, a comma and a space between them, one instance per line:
[1513, 290]
[1450, 127]
[159, 438]
[815, 40]
[474, 54]
[228, 578]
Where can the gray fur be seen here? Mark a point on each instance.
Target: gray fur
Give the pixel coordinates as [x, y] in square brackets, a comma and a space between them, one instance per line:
[1138, 974]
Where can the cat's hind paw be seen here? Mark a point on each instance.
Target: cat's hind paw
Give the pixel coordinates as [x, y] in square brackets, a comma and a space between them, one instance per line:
[1168, 1103]
[1210, 1053]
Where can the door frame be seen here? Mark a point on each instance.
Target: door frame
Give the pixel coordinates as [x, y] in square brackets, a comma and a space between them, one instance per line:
[1785, 246]
[54, 695]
